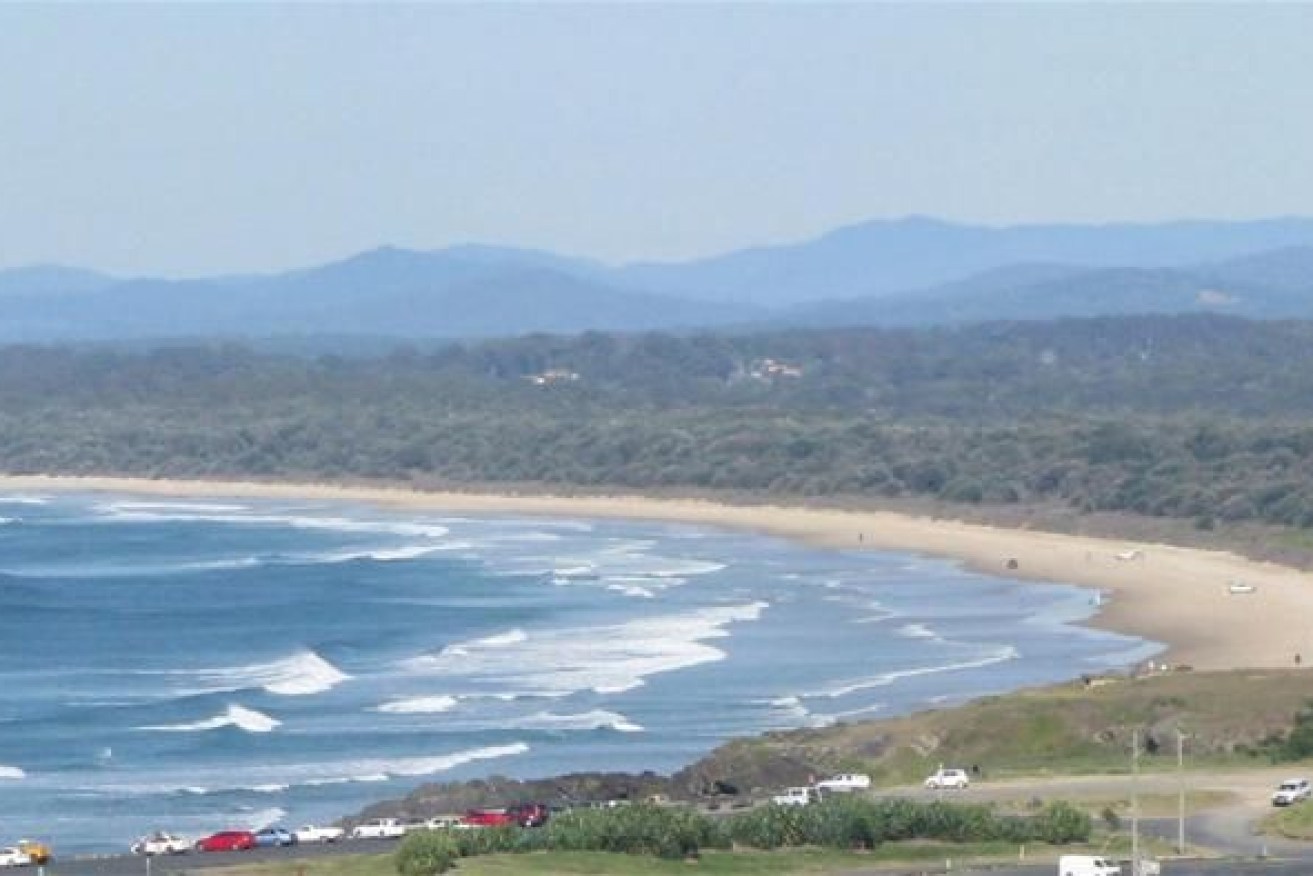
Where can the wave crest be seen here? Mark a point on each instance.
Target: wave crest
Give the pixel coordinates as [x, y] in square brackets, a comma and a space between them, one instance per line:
[418, 706]
[234, 716]
[604, 659]
[301, 674]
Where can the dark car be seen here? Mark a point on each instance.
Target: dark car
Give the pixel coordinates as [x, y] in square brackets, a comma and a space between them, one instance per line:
[275, 836]
[226, 841]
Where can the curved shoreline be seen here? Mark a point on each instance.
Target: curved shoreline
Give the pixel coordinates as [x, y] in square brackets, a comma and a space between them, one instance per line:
[1174, 595]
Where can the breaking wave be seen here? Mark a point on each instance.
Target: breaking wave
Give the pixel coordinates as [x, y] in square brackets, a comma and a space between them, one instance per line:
[234, 716]
[301, 674]
[11, 773]
[604, 659]
[597, 719]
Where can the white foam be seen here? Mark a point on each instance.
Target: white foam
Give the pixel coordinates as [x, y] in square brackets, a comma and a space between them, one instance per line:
[276, 778]
[498, 640]
[270, 788]
[262, 818]
[181, 507]
[5, 520]
[632, 590]
[597, 719]
[301, 674]
[185, 512]
[887, 678]
[917, 631]
[789, 707]
[11, 773]
[24, 500]
[419, 706]
[234, 716]
[605, 659]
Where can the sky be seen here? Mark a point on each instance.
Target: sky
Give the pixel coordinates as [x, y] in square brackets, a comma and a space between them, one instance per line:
[190, 139]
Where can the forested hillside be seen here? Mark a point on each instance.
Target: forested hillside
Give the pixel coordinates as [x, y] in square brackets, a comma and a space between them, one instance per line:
[1202, 418]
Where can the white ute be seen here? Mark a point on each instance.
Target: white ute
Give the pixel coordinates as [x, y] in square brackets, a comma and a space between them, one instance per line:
[309, 833]
[797, 797]
[1290, 792]
[161, 843]
[1087, 865]
[379, 828]
[845, 783]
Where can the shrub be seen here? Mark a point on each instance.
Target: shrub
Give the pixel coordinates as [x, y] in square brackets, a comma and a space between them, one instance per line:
[426, 853]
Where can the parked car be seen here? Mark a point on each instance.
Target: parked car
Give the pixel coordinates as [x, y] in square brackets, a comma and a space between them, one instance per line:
[226, 841]
[309, 833]
[275, 836]
[379, 828]
[161, 843]
[13, 857]
[1087, 865]
[948, 778]
[489, 818]
[797, 797]
[529, 814]
[39, 852]
[445, 822]
[845, 782]
[1291, 791]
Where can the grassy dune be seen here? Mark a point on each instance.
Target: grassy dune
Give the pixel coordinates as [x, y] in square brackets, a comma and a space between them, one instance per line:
[1067, 729]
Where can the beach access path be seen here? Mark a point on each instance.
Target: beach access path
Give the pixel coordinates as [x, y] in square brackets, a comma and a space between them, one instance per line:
[1180, 596]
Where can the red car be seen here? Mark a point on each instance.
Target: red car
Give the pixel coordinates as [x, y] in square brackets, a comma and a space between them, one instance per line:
[489, 818]
[227, 841]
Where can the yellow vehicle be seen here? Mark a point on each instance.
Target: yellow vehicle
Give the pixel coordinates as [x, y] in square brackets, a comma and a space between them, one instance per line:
[39, 852]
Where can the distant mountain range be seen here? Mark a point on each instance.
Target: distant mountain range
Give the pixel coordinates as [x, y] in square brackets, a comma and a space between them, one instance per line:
[906, 272]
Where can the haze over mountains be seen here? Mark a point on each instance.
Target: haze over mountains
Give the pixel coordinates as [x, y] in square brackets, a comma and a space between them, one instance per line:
[913, 271]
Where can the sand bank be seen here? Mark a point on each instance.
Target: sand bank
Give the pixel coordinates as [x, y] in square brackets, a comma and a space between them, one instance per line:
[1179, 596]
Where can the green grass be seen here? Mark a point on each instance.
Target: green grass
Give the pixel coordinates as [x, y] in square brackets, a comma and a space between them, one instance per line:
[1292, 822]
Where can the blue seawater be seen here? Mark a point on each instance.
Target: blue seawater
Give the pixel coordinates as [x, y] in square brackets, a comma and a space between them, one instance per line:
[196, 665]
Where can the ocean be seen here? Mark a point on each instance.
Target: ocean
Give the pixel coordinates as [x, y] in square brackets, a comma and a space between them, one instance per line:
[197, 665]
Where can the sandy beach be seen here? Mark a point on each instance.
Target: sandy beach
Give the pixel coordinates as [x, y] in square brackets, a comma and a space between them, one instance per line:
[1178, 596]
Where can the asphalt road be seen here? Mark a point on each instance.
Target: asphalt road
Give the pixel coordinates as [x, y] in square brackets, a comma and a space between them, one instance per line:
[135, 865]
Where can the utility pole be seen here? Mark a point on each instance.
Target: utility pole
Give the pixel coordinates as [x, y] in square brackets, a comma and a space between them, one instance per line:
[1135, 802]
[1180, 777]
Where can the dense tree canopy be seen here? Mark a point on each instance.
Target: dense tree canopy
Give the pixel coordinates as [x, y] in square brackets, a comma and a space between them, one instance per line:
[1196, 417]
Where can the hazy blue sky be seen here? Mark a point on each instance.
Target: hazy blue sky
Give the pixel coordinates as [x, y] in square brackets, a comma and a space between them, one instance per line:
[191, 139]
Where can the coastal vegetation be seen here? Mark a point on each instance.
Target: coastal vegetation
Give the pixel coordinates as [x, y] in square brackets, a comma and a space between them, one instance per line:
[1199, 419]
[678, 833]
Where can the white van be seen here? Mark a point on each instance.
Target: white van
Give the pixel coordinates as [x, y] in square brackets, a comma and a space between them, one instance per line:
[1087, 865]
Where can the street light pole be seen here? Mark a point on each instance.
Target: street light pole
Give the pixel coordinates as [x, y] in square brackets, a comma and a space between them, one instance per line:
[1135, 802]
[1180, 778]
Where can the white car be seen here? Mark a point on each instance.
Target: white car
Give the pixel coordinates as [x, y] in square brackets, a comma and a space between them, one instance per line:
[446, 822]
[1087, 865]
[948, 778]
[12, 857]
[797, 797]
[161, 844]
[1291, 791]
[845, 782]
[379, 828]
[309, 833]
